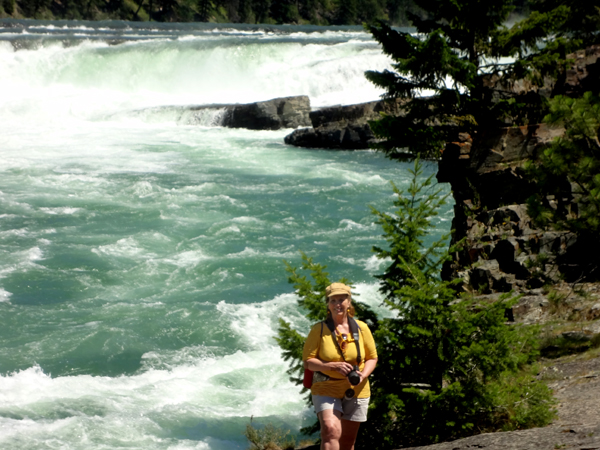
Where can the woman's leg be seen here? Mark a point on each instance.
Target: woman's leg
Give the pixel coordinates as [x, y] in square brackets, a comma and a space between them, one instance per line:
[349, 432]
[331, 429]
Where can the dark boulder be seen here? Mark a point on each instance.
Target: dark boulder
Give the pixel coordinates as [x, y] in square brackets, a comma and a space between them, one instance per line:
[274, 114]
[285, 112]
[342, 127]
[349, 137]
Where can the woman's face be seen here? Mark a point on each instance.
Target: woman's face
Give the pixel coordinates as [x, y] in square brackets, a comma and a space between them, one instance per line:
[338, 304]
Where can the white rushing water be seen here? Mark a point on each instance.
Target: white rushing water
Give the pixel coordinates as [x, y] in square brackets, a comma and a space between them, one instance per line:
[141, 273]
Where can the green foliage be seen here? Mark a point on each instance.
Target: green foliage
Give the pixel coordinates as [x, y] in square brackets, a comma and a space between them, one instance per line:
[520, 401]
[570, 168]
[284, 11]
[291, 342]
[312, 294]
[553, 29]
[269, 438]
[405, 232]
[8, 6]
[319, 12]
[542, 45]
[444, 356]
[204, 10]
[568, 173]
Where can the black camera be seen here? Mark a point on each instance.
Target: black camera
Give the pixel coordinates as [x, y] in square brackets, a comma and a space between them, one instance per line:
[353, 376]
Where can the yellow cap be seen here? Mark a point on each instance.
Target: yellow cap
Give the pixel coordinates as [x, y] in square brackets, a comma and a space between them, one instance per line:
[337, 289]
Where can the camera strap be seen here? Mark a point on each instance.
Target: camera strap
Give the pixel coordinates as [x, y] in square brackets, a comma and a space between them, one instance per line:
[355, 334]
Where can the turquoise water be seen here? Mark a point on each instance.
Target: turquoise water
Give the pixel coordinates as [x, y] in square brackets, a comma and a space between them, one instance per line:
[141, 273]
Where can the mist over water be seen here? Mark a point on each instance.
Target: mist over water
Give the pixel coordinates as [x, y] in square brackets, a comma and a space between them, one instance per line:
[141, 273]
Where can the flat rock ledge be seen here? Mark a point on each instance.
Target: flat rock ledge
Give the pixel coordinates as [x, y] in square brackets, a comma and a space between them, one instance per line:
[274, 114]
[343, 127]
[549, 438]
[576, 386]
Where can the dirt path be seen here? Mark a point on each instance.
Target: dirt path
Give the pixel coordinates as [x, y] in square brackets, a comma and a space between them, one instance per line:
[577, 388]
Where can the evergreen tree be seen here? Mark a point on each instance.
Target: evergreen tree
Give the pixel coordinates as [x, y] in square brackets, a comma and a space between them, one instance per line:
[166, 10]
[8, 6]
[284, 11]
[445, 357]
[447, 71]
[370, 10]
[542, 41]
[318, 12]
[245, 11]
[441, 71]
[34, 8]
[346, 12]
[566, 172]
[397, 10]
[261, 9]
[541, 45]
[313, 11]
[230, 7]
[204, 10]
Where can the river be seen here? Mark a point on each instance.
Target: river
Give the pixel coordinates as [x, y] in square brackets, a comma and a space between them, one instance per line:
[141, 255]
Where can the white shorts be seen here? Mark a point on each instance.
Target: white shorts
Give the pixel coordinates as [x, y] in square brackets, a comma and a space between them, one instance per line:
[354, 409]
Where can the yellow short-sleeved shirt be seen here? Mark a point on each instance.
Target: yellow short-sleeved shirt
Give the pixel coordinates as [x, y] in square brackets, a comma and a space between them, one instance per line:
[324, 348]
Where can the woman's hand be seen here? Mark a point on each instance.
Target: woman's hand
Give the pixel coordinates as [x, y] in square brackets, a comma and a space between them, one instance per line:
[361, 375]
[341, 367]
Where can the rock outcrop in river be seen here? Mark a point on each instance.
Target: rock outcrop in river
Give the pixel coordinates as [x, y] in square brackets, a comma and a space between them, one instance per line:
[274, 114]
[342, 127]
[286, 112]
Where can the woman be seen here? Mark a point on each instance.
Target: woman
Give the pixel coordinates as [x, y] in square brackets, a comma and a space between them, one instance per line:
[331, 352]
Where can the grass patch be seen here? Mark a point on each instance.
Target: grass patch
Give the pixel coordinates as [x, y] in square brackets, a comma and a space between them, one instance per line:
[522, 403]
[269, 437]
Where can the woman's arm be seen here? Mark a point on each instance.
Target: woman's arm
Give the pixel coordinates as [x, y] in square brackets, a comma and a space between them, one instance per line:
[316, 365]
[368, 369]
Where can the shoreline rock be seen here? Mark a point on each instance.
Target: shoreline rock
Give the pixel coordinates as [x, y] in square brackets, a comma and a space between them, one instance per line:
[342, 127]
[576, 385]
[533, 439]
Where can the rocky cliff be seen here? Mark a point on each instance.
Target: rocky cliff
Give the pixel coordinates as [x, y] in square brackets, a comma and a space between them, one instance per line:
[503, 249]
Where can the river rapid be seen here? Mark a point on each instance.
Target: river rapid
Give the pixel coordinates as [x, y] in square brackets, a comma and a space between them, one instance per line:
[141, 273]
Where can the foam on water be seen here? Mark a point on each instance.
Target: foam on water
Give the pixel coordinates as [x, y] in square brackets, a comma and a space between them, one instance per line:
[4, 295]
[175, 395]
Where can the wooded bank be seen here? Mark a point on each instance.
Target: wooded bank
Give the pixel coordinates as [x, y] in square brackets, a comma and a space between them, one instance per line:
[315, 12]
